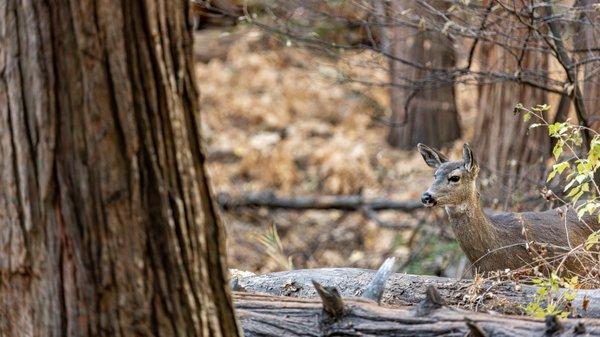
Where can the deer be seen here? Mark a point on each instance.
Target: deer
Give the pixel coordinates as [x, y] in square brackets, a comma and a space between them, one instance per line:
[543, 241]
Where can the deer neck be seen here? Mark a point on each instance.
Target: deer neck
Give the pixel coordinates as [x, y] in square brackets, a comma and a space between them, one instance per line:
[472, 227]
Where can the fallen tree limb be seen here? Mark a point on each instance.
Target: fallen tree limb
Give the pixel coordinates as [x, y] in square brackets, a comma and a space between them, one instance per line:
[401, 289]
[268, 199]
[327, 202]
[267, 315]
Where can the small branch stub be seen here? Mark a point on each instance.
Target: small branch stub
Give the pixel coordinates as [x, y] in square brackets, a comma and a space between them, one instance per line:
[433, 300]
[333, 304]
[474, 329]
[375, 288]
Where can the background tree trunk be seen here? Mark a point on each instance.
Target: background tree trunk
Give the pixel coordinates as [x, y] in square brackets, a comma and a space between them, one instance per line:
[428, 113]
[504, 146]
[107, 227]
[586, 42]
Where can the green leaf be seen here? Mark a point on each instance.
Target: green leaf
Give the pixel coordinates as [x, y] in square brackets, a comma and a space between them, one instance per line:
[581, 178]
[593, 239]
[585, 187]
[560, 167]
[558, 149]
[551, 175]
[576, 197]
[574, 191]
[534, 125]
[581, 212]
[544, 107]
[517, 108]
[571, 183]
[557, 169]
[554, 129]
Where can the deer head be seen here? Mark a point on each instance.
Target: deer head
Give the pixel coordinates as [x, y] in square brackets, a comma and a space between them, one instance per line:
[453, 181]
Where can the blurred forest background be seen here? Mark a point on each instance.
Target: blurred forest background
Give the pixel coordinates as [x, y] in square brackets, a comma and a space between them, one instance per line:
[329, 98]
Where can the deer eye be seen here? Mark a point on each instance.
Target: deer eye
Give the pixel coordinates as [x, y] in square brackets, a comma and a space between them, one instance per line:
[454, 179]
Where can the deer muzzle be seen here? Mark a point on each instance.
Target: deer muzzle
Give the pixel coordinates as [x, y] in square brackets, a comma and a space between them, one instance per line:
[428, 199]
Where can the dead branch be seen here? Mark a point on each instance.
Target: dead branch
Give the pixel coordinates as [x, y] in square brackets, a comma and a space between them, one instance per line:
[401, 289]
[325, 202]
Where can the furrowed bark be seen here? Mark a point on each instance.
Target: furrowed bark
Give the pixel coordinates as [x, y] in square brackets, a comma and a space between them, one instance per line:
[508, 150]
[402, 289]
[428, 113]
[565, 60]
[107, 227]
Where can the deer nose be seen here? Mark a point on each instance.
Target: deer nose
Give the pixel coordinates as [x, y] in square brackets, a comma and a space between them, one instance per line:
[428, 200]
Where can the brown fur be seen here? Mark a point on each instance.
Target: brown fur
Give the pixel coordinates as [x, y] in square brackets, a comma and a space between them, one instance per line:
[504, 240]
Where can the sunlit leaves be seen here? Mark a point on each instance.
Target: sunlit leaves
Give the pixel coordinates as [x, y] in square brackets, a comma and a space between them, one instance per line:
[558, 149]
[557, 169]
[582, 193]
[592, 240]
[549, 299]
[579, 183]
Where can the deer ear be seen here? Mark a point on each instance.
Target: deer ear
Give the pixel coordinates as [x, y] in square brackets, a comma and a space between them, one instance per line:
[432, 157]
[468, 159]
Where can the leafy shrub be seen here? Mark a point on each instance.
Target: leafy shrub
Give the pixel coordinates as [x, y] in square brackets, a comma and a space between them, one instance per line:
[550, 300]
[579, 167]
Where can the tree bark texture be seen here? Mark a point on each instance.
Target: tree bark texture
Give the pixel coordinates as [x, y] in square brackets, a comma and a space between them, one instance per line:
[503, 143]
[265, 315]
[403, 289]
[107, 227]
[422, 100]
[586, 42]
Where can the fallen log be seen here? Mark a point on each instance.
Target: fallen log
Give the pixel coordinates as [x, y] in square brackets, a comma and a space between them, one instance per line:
[324, 202]
[268, 315]
[401, 289]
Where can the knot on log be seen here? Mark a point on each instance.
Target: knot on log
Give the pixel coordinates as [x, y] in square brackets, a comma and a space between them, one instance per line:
[333, 304]
[433, 300]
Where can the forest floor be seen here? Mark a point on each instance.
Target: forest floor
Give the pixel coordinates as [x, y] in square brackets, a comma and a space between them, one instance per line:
[276, 117]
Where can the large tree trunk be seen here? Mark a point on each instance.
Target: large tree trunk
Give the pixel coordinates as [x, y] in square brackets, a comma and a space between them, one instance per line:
[107, 227]
[422, 100]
